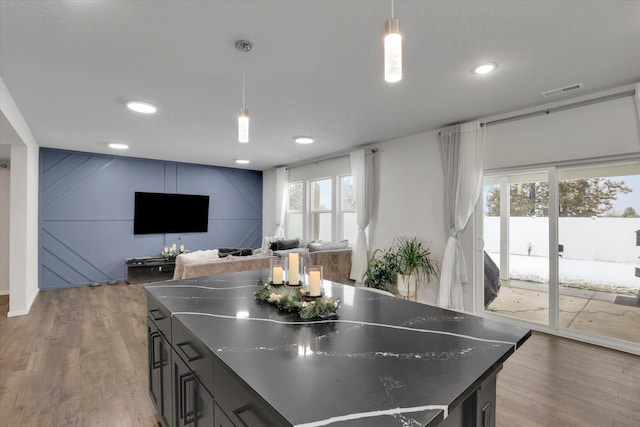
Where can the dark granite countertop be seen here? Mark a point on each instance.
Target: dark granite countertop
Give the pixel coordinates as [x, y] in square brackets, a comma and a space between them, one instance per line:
[381, 361]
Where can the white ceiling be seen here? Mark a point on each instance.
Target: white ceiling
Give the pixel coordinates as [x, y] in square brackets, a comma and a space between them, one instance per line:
[316, 69]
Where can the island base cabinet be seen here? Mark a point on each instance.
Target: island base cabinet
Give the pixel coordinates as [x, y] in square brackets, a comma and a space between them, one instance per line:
[192, 404]
[159, 366]
[241, 406]
[478, 410]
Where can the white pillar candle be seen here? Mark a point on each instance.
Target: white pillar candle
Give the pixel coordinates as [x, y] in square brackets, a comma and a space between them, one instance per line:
[181, 248]
[314, 283]
[173, 247]
[166, 249]
[294, 272]
[276, 275]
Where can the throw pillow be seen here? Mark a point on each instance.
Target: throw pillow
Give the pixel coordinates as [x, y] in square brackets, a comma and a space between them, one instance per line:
[223, 252]
[328, 246]
[283, 245]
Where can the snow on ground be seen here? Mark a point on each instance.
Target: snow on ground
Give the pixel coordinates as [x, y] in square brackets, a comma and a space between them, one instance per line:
[597, 275]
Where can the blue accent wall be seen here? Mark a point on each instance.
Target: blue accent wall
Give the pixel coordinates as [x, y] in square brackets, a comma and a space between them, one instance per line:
[86, 212]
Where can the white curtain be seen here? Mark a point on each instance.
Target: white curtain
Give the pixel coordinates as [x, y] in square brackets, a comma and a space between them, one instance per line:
[362, 172]
[636, 98]
[462, 148]
[282, 199]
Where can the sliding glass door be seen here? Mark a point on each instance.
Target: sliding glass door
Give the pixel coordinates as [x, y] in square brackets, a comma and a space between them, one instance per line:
[563, 244]
[516, 244]
[599, 219]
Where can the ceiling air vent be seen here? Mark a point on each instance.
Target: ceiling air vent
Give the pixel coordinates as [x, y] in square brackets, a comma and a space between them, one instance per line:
[562, 89]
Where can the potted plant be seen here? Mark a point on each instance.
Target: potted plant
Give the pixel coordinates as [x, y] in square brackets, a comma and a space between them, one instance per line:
[415, 265]
[382, 270]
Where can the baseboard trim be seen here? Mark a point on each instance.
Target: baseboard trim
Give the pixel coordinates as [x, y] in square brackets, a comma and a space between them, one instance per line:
[25, 311]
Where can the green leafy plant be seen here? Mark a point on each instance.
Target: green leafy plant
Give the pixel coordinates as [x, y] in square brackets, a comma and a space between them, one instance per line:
[408, 256]
[382, 270]
[414, 258]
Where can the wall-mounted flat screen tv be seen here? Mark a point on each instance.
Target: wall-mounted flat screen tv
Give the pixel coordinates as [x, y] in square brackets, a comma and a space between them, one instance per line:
[159, 213]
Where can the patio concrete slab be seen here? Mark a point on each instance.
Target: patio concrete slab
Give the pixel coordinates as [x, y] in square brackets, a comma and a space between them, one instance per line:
[611, 320]
[595, 314]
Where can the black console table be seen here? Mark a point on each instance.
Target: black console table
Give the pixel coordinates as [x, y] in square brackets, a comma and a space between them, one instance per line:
[149, 269]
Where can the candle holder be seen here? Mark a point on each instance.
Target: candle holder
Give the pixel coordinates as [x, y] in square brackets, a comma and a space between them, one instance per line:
[277, 271]
[295, 269]
[315, 280]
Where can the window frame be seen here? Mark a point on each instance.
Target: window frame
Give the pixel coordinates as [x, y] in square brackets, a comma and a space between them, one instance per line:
[310, 212]
[336, 212]
[339, 211]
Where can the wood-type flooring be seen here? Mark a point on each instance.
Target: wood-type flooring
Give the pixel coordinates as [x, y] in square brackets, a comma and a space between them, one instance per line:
[79, 358]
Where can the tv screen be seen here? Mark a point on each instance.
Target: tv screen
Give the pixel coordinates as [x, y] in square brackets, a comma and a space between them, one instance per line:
[158, 213]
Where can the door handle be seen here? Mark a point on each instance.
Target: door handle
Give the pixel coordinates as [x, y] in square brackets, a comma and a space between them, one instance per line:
[155, 364]
[155, 316]
[190, 358]
[187, 398]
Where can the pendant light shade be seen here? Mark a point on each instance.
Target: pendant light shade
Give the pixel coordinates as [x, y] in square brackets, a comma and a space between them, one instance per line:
[243, 117]
[243, 125]
[392, 51]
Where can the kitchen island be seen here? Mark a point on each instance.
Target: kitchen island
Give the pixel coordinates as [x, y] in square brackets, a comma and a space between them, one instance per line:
[218, 356]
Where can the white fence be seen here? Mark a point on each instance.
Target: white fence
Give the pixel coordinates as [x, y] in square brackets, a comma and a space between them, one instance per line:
[595, 239]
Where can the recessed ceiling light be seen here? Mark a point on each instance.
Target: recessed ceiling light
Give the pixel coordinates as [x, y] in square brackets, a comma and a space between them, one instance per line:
[303, 140]
[118, 146]
[242, 162]
[142, 107]
[485, 68]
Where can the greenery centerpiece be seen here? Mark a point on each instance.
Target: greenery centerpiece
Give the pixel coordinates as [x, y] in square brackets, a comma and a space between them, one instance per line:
[295, 300]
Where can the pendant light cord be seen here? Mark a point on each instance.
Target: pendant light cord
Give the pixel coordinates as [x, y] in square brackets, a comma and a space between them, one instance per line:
[392, 9]
[242, 87]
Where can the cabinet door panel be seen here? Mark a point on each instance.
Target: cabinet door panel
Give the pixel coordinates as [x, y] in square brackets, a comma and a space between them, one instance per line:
[192, 403]
[159, 374]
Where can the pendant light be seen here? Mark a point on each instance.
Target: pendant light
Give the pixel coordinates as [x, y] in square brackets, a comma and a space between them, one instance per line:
[243, 117]
[392, 49]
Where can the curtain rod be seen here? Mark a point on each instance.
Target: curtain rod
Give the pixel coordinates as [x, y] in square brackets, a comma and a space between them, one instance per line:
[337, 156]
[596, 100]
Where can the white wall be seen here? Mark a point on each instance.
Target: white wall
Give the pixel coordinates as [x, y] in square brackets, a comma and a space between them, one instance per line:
[603, 129]
[4, 230]
[23, 236]
[408, 191]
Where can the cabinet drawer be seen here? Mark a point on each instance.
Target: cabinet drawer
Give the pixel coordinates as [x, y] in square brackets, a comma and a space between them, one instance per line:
[241, 405]
[195, 354]
[160, 316]
[221, 418]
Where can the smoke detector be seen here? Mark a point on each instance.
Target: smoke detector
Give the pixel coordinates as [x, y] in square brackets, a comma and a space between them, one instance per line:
[564, 89]
[244, 45]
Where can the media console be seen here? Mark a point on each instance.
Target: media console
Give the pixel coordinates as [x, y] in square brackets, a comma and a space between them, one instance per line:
[149, 269]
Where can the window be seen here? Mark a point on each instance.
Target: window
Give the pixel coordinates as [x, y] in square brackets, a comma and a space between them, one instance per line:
[322, 209]
[295, 214]
[347, 218]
